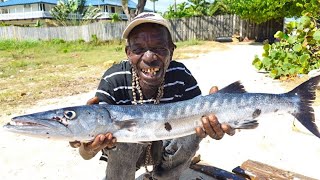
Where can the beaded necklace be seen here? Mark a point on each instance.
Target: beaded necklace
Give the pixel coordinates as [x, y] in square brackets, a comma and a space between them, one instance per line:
[136, 87]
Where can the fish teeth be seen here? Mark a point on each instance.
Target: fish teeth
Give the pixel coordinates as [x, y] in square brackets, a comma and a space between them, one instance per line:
[14, 123]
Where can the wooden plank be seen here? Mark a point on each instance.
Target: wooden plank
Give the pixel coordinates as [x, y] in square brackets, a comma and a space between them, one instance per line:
[260, 171]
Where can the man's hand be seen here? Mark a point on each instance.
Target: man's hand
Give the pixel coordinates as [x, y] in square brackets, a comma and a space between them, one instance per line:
[211, 125]
[101, 141]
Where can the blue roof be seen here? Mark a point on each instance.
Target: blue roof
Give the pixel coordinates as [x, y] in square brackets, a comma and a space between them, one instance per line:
[131, 4]
[21, 2]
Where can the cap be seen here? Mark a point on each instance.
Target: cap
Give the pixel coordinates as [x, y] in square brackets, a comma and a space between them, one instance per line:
[145, 17]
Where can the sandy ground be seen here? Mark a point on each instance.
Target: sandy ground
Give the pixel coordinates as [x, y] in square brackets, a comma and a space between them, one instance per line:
[274, 142]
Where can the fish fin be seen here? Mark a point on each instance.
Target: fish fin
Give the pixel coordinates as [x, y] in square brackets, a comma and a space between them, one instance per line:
[247, 124]
[126, 124]
[306, 92]
[235, 87]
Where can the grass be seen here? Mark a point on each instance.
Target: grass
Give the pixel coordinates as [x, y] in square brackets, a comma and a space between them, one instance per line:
[36, 70]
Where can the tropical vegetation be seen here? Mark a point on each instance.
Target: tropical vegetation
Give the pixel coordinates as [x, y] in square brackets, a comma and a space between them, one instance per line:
[192, 8]
[256, 10]
[73, 13]
[297, 52]
[264, 10]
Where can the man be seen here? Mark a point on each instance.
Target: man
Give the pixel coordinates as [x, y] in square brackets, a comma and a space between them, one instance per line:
[149, 76]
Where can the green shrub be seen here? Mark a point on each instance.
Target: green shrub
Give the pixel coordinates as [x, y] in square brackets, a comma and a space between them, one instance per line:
[57, 41]
[297, 52]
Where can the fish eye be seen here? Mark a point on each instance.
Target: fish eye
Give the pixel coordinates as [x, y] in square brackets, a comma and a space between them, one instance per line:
[70, 114]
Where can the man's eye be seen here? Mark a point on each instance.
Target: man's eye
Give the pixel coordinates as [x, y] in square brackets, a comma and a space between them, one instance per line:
[161, 51]
[138, 50]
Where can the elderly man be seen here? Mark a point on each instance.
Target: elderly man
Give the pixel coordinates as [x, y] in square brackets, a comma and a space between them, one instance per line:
[149, 76]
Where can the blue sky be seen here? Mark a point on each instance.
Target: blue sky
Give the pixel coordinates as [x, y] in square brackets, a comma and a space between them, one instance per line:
[161, 5]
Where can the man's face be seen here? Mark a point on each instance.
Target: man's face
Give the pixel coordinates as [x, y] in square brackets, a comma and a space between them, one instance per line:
[149, 52]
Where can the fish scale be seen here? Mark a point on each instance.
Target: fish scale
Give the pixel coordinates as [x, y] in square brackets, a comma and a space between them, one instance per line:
[150, 122]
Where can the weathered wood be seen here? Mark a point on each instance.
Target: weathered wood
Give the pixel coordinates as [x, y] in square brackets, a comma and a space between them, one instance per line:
[201, 28]
[260, 171]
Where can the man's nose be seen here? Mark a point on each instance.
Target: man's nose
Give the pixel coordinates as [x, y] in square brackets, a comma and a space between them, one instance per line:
[149, 56]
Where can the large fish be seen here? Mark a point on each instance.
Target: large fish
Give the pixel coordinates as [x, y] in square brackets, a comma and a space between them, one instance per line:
[149, 122]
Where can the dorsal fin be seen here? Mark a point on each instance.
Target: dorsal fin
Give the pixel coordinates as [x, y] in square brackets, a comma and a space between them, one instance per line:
[235, 87]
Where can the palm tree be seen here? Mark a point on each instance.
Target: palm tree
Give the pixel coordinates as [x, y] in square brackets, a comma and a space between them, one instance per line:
[74, 12]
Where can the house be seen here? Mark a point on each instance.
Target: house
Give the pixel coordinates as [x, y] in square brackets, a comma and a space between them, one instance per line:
[24, 12]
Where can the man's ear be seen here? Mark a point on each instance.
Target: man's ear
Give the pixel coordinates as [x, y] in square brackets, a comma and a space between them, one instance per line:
[171, 53]
[126, 49]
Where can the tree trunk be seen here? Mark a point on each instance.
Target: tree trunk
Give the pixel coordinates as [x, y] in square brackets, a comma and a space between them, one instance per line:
[140, 7]
[125, 8]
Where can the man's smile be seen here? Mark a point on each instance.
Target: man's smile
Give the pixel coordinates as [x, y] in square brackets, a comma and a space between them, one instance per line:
[150, 71]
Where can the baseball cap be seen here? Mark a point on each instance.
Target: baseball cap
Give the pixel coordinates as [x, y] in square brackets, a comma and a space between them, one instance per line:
[145, 17]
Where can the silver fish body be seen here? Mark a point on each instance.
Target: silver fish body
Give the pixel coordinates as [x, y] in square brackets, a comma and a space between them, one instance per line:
[149, 122]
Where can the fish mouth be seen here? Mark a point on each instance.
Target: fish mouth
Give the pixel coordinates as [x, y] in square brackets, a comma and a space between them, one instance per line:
[25, 124]
[44, 128]
[21, 123]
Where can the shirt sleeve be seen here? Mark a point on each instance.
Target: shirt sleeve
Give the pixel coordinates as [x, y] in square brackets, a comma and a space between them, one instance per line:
[105, 91]
[115, 84]
[191, 86]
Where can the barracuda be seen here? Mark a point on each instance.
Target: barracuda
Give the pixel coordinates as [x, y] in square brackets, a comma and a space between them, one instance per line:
[149, 122]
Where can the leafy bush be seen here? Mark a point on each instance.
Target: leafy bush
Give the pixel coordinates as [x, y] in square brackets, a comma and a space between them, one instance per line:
[297, 52]
[115, 17]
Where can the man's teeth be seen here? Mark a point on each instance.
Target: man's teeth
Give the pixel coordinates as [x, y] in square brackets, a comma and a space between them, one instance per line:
[153, 71]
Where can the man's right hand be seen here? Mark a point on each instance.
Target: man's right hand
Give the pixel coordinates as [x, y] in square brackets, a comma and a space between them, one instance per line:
[100, 142]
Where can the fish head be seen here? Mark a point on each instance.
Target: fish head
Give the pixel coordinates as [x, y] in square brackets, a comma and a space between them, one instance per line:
[80, 123]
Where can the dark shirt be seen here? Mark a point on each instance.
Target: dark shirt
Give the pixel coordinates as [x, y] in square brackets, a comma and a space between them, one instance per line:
[116, 88]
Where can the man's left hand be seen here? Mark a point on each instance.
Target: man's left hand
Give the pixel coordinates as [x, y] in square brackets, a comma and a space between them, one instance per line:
[213, 128]
[211, 125]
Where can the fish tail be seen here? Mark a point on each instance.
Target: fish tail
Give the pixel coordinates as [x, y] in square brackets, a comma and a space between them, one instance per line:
[307, 95]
